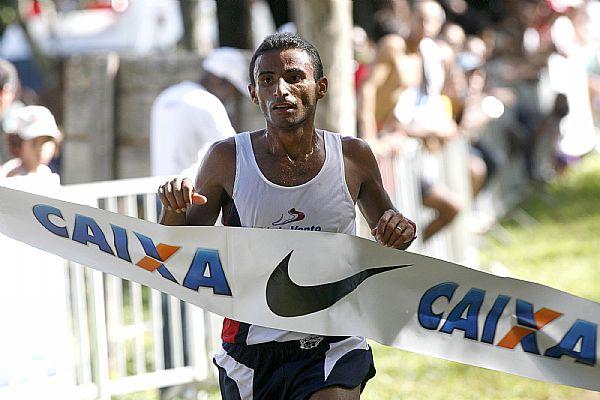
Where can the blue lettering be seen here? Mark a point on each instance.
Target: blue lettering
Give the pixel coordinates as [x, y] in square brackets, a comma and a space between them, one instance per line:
[471, 303]
[525, 317]
[581, 331]
[42, 213]
[427, 318]
[120, 236]
[207, 260]
[491, 321]
[81, 233]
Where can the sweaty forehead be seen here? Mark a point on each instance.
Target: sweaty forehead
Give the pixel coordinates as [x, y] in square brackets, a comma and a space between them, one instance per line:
[280, 60]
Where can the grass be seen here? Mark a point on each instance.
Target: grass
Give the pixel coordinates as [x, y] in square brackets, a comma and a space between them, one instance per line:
[561, 251]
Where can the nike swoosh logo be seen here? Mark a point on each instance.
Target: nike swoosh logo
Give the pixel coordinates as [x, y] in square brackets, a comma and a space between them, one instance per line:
[288, 299]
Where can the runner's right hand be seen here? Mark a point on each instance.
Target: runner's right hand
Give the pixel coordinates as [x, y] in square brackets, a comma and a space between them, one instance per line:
[179, 194]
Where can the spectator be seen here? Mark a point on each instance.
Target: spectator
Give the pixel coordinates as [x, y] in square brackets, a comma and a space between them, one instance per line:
[364, 52]
[33, 136]
[479, 109]
[193, 113]
[455, 86]
[402, 97]
[9, 86]
[549, 128]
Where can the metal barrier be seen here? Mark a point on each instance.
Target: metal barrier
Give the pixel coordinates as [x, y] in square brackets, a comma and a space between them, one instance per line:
[401, 176]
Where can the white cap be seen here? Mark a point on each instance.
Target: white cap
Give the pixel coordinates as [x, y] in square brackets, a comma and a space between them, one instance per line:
[30, 122]
[230, 64]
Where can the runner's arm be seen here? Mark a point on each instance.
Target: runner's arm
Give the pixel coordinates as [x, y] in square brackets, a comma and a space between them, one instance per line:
[200, 203]
[388, 225]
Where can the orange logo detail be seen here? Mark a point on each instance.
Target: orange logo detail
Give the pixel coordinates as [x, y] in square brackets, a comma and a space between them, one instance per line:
[165, 252]
[517, 333]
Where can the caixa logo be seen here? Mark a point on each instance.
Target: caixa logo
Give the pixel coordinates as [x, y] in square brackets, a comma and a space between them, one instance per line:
[205, 269]
[579, 341]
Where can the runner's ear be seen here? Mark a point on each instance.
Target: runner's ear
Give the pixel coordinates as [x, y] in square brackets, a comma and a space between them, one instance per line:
[252, 92]
[322, 85]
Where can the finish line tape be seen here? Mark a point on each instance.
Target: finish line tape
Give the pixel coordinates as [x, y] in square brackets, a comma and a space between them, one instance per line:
[328, 284]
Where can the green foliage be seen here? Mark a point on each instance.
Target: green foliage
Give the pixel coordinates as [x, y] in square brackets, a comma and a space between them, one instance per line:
[8, 13]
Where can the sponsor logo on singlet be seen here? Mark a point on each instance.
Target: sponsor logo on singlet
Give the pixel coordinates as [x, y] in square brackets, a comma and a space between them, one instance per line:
[286, 221]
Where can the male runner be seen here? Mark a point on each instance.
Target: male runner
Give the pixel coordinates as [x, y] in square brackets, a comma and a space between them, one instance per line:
[288, 176]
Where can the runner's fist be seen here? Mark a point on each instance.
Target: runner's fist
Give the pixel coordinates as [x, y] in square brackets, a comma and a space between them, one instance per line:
[394, 230]
[179, 194]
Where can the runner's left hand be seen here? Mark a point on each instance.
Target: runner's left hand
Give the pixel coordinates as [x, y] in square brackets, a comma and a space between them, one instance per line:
[394, 230]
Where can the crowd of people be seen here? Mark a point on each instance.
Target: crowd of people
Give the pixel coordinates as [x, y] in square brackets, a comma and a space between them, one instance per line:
[438, 70]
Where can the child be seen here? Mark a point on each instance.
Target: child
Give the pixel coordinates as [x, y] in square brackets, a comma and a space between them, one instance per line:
[32, 136]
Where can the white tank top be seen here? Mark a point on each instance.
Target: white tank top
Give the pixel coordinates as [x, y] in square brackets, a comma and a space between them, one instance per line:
[321, 204]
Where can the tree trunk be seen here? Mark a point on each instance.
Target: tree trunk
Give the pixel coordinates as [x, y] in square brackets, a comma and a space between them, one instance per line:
[234, 23]
[189, 17]
[48, 66]
[327, 24]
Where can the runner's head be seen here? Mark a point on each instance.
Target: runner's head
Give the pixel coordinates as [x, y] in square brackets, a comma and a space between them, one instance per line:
[283, 41]
[286, 80]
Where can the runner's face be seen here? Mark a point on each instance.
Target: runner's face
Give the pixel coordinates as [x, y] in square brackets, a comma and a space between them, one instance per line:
[285, 89]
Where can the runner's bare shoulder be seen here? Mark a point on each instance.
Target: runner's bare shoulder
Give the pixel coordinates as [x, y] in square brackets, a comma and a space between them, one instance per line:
[218, 165]
[358, 156]
[355, 148]
[221, 151]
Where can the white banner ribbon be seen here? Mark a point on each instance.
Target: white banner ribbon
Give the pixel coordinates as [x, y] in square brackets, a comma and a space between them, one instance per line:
[328, 284]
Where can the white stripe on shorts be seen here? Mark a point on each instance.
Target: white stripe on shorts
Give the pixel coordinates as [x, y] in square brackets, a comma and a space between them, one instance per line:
[339, 349]
[239, 373]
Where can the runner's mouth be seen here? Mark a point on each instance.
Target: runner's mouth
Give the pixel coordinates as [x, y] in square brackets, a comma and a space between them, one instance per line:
[283, 106]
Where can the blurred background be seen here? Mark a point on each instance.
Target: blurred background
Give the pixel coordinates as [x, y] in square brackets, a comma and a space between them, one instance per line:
[483, 116]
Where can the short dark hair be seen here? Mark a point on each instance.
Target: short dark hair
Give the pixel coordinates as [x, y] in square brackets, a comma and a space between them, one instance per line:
[286, 40]
[8, 75]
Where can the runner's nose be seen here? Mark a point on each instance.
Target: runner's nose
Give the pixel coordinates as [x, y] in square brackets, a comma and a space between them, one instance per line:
[281, 89]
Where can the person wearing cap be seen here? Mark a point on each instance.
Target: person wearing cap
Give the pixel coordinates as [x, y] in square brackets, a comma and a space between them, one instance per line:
[188, 116]
[34, 135]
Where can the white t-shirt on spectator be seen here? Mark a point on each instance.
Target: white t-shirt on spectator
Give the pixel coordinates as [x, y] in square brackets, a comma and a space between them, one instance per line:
[14, 167]
[185, 120]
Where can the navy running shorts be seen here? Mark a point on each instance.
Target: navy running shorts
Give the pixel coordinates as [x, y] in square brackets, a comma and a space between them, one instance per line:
[293, 370]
